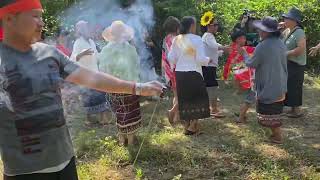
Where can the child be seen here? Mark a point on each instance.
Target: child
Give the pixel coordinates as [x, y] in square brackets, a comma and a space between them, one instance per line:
[243, 76]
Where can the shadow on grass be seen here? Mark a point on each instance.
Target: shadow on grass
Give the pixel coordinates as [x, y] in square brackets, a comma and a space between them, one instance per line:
[225, 151]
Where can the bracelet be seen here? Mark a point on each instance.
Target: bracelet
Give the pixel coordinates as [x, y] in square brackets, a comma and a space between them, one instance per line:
[138, 89]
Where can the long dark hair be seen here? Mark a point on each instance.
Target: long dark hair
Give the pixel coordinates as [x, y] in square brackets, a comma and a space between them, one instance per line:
[171, 25]
[186, 24]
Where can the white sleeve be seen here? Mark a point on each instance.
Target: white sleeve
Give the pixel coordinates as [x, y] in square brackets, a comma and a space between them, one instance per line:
[76, 50]
[211, 41]
[201, 57]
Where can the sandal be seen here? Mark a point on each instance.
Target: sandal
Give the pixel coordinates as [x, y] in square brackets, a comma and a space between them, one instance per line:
[218, 115]
[295, 115]
[274, 141]
[192, 133]
[237, 120]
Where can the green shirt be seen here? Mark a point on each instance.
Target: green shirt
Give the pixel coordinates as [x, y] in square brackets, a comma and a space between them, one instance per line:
[292, 43]
[120, 60]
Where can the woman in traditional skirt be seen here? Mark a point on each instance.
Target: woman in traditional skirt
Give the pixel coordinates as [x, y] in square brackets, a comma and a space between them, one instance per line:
[188, 56]
[84, 53]
[270, 62]
[120, 59]
[172, 28]
[213, 50]
[295, 39]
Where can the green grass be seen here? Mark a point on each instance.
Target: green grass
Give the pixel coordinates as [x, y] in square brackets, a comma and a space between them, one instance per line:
[224, 151]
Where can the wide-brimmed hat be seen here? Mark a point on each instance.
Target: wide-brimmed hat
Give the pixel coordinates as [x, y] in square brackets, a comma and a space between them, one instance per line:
[82, 28]
[294, 14]
[118, 32]
[267, 24]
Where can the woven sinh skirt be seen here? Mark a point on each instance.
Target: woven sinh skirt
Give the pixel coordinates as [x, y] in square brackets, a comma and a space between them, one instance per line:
[269, 115]
[192, 96]
[94, 101]
[127, 110]
[295, 84]
[210, 76]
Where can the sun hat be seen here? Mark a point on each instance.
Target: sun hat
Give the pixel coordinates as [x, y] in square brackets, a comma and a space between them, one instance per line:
[267, 24]
[118, 32]
[294, 14]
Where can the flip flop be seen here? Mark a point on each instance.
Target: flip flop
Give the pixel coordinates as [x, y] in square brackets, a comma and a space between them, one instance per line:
[218, 115]
[191, 133]
[274, 141]
[294, 115]
[237, 120]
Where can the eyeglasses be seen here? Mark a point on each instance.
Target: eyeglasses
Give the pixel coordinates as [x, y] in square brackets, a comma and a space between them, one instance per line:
[215, 24]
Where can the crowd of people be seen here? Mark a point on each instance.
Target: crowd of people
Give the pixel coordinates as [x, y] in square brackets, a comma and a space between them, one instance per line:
[266, 61]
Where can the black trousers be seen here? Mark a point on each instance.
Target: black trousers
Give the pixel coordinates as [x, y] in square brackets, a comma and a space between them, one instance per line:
[295, 85]
[68, 173]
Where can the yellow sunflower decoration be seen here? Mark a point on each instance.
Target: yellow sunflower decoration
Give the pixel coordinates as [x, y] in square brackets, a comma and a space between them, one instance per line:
[207, 18]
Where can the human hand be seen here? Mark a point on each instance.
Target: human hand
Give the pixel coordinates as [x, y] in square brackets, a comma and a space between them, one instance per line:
[86, 52]
[153, 88]
[241, 51]
[227, 49]
[244, 21]
[314, 51]
[281, 26]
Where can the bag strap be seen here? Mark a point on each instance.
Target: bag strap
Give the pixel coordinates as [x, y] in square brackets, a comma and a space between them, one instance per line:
[295, 29]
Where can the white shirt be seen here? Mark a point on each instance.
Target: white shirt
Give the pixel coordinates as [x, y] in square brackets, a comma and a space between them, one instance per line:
[89, 62]
[211, 48]
[187, 53]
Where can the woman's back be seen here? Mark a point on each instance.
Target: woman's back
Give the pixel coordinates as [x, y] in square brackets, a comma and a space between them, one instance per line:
[120, 60]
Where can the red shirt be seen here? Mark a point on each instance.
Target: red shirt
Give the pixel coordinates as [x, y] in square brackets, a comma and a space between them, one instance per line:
[1, 34]
[233, 54]
[64, 50]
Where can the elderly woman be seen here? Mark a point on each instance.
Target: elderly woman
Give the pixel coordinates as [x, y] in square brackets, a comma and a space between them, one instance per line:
[84, 53]
[295, 40]
[172, 28]
[120, 59]
[270, 62]
[188, 56]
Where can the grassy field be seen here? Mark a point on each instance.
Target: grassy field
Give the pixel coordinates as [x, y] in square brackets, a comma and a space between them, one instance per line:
[225, 150]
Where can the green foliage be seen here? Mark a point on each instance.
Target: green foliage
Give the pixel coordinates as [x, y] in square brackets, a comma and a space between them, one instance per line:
[139, 174]
[228, 12]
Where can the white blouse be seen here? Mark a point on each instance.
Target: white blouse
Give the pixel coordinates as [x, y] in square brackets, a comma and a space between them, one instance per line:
[187, 53]
[89, 62]
[211, 48]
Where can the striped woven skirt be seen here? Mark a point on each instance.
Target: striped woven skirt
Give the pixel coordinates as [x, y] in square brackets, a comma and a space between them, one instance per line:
[192, 96]
[127, 111]
[269, 115]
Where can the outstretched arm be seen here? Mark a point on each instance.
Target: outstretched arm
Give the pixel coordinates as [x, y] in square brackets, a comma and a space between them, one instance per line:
[107, 83]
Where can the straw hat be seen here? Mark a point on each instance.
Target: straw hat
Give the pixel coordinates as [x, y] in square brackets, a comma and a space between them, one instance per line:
[118, 32]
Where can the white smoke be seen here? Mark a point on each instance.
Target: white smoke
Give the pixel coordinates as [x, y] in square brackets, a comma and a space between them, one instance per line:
[139, 15]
